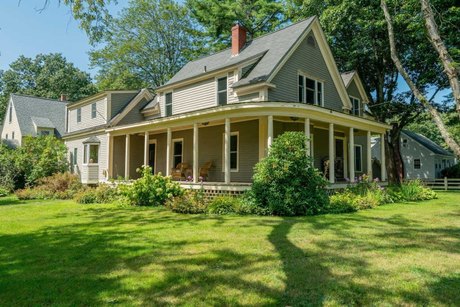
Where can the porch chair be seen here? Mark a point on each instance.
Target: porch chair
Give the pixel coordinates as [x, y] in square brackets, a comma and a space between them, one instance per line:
[204, 171]
[180, 171]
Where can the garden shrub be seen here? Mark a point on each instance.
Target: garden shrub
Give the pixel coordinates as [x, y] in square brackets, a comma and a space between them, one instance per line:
[86, 196]
[102, 194]
[4, 191]
[151, 190]
[189, 202]
[34, 193]
[56, 186]
[11, 174]
[452, 171]
[286, 183]
[225, 205]
[411, 190]
[342, 202]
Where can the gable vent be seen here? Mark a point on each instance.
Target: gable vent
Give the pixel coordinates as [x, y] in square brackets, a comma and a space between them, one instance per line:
[311, 41]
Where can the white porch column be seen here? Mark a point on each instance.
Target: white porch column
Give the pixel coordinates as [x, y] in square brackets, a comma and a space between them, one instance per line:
[262, 137]
[383, 170]
[127, 158]
[195, 153]
[331, 154]
[109, 155]
[308, 135]
[269, 131]
[146, 148]
[168, 151]
[369, 155]
[227, 150]
[351, 154]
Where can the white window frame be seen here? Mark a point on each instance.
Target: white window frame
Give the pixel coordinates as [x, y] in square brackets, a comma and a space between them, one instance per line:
[93, 110]
[420, 163]
[166, 104]
[352, 98]
[237, 169]
[86, 153]
[173, 141]
[217, 88]
[78, 115]
[315, 96]
[360, 170]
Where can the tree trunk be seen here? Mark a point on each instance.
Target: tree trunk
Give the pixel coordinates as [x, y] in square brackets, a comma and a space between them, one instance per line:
[394, 162]
[444, 56]
[450, 141]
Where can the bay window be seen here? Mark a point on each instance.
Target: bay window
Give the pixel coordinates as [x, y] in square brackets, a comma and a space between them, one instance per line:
[91, 154]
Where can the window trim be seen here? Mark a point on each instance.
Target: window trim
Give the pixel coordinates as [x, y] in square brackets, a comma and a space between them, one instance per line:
[315, 96]
[93, 110]
[177, 140]
[86, 153]
[78, 115]
[237, 169]
[360, 170]
[217, 89]
[166, 104]
[359, 105]
[419, 163]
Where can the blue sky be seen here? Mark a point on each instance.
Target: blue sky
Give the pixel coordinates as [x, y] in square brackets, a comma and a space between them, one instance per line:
[25, 30]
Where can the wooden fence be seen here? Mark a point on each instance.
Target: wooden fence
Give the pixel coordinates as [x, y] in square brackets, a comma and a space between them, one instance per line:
[446, 184]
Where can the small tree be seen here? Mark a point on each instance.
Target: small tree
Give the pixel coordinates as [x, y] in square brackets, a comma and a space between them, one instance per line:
[286, 183]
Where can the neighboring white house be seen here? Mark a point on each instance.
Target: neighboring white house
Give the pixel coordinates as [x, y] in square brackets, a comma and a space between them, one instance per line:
[34, 116]
[423, 158]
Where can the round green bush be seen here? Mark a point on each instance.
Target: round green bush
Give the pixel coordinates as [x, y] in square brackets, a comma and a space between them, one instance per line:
[224, 205]
[286, 183]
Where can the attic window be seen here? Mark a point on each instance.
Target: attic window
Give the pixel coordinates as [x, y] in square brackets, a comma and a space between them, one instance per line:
[11, 114]
[311, 41]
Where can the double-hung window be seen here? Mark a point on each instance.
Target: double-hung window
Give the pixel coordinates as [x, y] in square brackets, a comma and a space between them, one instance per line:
[93, 110]
[78, 115]
[168, 104]
[222, 91]
[356, 106]
[358, 158]
[417, 164]
[91, 153]
[177, 151]
[234, 152]
[310, 91]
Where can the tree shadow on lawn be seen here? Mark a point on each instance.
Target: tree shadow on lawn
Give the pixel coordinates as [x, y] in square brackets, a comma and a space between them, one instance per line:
[10, 200]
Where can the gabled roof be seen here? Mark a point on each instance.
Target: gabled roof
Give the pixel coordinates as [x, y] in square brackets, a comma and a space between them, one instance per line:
[427, 143]
[47, 112]
[269, 50]
[347, 77]
[92, 139]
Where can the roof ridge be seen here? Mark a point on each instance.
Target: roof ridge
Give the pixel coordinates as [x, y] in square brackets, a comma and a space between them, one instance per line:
[252, 40]
[37, 97]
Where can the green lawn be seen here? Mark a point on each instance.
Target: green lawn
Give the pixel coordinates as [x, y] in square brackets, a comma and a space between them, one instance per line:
[61, 253]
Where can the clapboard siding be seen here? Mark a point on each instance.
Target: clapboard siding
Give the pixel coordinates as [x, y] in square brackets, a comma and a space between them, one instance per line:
[119, 101]
[249, 97]
[10, 127]
[310, 60]
[135, 115]
[86, 120]
[231, 98]
[352, 90]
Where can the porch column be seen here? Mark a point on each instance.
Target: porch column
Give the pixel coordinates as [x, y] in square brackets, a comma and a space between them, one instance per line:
[127, 147]
[262, 137]
[308, 135]
[351, 154]
[331, 154]
[195, 153]
[146, 148]
[369, 155]
[168, 151]
[109, 155]
[227, 150]
[383, 170]
[269, 131]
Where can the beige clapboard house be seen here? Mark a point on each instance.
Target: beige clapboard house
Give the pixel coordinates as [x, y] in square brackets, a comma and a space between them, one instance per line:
[219, 115]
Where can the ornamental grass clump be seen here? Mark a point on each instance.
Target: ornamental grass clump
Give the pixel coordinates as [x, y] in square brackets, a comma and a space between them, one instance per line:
[286, 183]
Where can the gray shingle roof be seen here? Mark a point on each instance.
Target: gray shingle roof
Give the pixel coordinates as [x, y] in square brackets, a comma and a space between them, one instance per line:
[42, 122]
[270, 49]
[92, 139]
[347, 77]
[427, 143]
[42, 109]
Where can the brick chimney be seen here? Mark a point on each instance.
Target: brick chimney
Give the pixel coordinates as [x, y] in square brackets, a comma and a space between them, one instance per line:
[238, 39]
[63, 97]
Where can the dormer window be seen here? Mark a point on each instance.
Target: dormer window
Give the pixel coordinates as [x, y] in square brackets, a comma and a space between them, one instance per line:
[93, 110]
[222, 91]
[311, 91]
[356, 106]
[168, 104]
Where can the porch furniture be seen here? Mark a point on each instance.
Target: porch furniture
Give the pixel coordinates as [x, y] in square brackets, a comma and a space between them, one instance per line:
[180, 171]
[204, 171]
